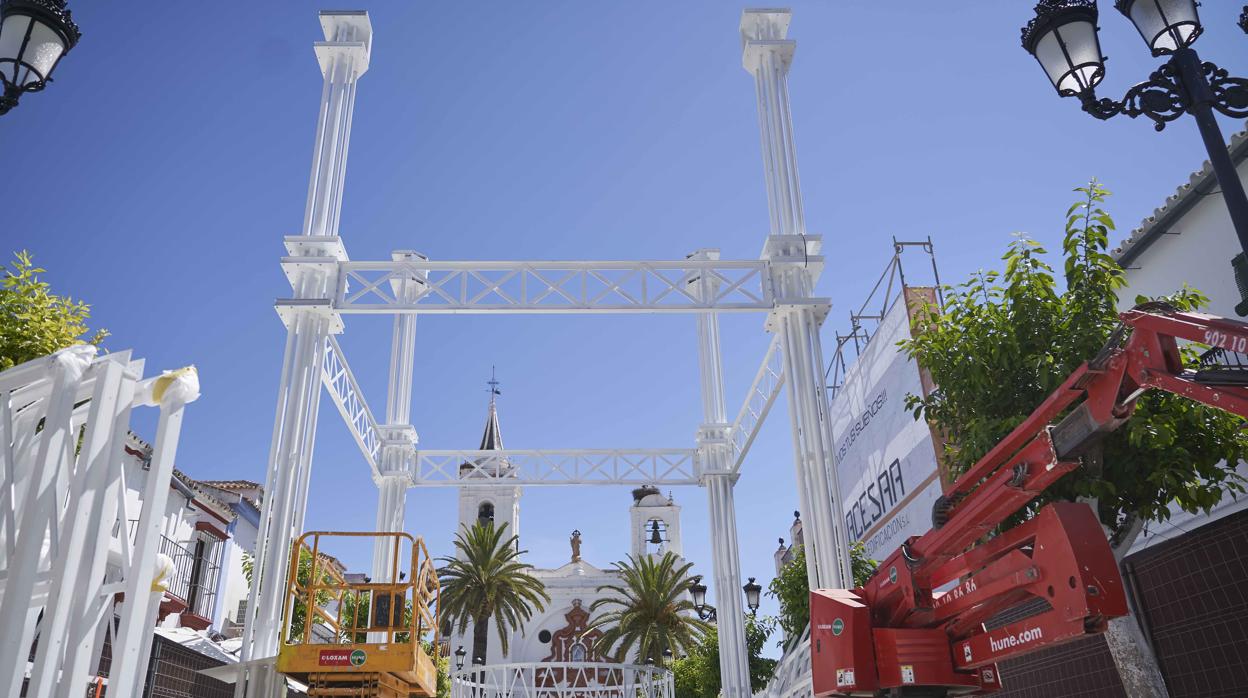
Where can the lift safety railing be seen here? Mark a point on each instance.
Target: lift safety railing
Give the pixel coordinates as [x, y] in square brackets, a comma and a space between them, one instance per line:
[337, 611]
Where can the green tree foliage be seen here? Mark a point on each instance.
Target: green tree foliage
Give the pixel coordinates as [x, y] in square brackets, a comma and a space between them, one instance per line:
[299, 612]
[1005, 340]
[648, 611]
[697, 675]
[791, 588]
[35, 322]
[444, 669]
[487, 581]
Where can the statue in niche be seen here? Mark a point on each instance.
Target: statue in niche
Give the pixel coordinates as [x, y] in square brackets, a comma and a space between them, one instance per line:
[576, 546]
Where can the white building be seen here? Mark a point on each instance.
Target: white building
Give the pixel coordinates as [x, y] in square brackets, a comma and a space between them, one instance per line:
[1188, 240]
[559, 634]
[244, 498]
[208, 527]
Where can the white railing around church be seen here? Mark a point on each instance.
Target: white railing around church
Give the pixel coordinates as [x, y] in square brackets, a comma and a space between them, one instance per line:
[563, 680]
[792, 678]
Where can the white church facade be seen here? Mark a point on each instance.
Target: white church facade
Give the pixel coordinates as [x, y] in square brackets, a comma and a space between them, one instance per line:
[559, 633]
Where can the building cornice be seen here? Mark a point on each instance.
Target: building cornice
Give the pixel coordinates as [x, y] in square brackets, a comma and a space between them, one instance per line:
[1200, 184]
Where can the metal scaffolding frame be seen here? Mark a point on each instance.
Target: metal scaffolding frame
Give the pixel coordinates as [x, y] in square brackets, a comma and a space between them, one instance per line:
[327, 286]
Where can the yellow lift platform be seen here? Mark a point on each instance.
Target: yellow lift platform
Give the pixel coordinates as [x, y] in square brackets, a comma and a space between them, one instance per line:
[366, 639]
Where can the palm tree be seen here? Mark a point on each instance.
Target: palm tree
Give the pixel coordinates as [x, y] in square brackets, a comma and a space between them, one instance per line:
[649, 610]
[487, 581]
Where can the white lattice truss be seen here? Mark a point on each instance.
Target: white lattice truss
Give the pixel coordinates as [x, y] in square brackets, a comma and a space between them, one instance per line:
[327, 286]
[563, 680]
[551, 287]
[557, 467]
[758, 401]
[349, 399]
[70, 574]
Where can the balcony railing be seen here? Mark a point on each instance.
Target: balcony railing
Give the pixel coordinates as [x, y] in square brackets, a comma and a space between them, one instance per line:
[196, 569]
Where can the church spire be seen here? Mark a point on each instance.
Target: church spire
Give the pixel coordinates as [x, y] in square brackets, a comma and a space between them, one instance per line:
[492, 439]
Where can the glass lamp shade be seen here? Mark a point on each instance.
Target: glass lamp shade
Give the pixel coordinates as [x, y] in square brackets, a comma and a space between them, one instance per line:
[752, 591]
[1063, 38]
[460, 654]
[698, 589]
[34, 36]
[1166, 25]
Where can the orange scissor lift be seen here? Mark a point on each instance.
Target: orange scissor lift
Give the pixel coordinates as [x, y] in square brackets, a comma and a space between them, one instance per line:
[364, 639]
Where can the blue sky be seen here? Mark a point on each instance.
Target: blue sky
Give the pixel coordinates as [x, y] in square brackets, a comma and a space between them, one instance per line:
[156, 178]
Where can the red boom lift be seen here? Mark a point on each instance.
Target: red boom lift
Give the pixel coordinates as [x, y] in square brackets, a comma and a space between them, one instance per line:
[896, 636]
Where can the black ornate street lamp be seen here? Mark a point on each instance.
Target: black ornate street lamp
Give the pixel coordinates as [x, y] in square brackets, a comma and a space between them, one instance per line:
[1063, 38]
[698, 589]
[460, 654]
[752, 591]
[1243, 20]
[34, 36]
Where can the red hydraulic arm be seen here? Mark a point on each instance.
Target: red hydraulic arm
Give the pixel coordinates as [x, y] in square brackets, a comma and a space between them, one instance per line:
[897, 636]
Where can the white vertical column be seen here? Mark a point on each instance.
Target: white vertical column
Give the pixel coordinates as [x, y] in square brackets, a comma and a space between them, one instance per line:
[286, 482]
[795, 266]
[403, 344]
[309, 320]
[398, 438]
[343, 56]
[715, 453]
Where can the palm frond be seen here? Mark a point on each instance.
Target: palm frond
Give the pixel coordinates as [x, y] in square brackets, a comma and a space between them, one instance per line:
[647, 612]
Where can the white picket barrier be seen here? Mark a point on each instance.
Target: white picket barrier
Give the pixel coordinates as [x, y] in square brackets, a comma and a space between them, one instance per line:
[70, 573]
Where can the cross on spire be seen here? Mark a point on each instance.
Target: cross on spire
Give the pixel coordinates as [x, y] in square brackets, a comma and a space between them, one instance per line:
[493, 383]
[492, 439]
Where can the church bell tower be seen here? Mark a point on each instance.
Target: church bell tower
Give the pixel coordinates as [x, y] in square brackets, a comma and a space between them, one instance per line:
[655, 522]
[498, 503]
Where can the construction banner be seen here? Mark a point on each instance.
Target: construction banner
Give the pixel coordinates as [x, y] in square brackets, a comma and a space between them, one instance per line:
[885, 459]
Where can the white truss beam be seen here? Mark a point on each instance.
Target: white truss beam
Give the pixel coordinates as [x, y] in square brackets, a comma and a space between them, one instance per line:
[763, 393]
[349, 400]
[554, 287]
[556, 467]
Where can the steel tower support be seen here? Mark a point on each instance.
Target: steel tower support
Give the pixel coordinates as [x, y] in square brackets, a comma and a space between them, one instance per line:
[309, 319]
[715, 451]
[398, 438]
[767, 54]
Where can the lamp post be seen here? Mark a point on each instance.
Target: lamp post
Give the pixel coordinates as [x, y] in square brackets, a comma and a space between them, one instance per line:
[34, 36]
[752, 591]
[1063, 38]
[1243, 20]
[460, 654]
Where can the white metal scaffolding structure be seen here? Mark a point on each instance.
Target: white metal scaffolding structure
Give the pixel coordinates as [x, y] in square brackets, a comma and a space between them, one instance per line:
[327, 285]
[67, 553]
